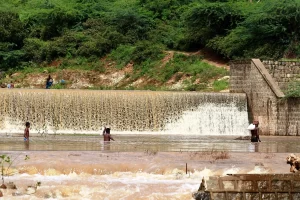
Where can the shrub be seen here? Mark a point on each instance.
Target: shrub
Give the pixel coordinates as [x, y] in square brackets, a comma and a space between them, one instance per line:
[122, 55]
[145, 50]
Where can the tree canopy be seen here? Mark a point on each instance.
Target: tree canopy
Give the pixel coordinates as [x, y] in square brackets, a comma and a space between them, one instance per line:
[45, 30]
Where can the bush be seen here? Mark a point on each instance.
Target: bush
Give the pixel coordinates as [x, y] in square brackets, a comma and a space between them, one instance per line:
[208, 20]
[145, 50]
[122, 55]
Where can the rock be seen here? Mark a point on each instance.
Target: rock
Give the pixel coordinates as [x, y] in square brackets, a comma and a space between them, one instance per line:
[202, 185]
[224, 78]
[243, 138]
[30, 190]
[3, 186]
[11, 185]
[201, 195]
[1, 194]
[48, 195]
[294, 161]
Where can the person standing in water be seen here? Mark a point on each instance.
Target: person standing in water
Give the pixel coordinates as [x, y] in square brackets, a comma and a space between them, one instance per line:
[255, 132]
[26, 131]
[106, 134]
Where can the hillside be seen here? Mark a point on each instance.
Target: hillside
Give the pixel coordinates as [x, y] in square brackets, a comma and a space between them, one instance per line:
[127, 77]
[140, 44]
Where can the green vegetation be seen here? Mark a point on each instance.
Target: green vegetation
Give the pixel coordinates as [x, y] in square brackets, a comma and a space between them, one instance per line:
[219, 85]
[84, 34]
[293, 89]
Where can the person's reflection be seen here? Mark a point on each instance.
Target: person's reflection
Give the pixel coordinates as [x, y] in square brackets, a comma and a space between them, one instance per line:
[256, 145]
[106, 145]
[26, 145]
[253, 147]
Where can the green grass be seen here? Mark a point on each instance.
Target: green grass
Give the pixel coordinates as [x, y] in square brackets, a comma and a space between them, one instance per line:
[219, 85]
[191, 65]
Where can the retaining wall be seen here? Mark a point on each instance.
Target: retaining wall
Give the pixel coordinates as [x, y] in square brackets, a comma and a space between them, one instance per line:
[253, 187]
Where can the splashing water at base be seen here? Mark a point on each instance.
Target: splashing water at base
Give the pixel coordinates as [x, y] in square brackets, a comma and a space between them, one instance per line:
[112, 176]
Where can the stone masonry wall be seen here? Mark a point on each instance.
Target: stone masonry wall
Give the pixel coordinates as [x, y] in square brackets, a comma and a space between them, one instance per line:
[277, 116]
[254, 187]
[283, 72]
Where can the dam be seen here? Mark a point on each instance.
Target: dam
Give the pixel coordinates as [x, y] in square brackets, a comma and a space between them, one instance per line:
[128, 112]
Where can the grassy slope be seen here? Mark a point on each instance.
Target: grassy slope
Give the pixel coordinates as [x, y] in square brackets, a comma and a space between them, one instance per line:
[197, 71]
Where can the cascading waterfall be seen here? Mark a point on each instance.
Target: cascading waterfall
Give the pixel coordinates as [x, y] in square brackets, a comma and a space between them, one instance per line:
[87, 111]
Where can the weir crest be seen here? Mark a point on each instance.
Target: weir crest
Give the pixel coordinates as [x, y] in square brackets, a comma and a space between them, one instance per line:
[87, 111]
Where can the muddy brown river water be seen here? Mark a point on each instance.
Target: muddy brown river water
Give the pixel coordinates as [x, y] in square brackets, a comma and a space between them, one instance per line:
[134, 166]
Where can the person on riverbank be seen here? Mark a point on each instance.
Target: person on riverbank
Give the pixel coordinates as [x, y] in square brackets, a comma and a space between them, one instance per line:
[255, 132]
[106, 135]
[49, 82]
[26, 131]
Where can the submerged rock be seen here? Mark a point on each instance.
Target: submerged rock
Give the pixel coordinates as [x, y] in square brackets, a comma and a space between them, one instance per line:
[243, 138]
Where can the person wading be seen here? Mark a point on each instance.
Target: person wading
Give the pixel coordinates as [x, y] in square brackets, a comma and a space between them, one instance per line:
[255, 132]
[106, 134]
[26, 132]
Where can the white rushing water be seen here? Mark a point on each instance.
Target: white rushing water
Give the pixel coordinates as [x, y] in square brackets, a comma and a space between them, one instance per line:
[128, 112]
[174, 184]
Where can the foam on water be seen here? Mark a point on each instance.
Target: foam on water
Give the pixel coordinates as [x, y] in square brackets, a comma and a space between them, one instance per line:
[174, 184]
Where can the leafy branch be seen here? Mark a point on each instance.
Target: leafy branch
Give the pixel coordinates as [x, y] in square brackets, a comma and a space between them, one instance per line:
[6, 163]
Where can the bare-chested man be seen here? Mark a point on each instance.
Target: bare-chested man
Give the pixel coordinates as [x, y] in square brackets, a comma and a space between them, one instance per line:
[26, 131]
[106, 134]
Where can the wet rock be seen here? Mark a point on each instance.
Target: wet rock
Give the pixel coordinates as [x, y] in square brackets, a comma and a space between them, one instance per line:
[11, 185]
[48, 195]
[3, 186]
[243, 138]
[201, 195]
[30, 190]
[202, 186]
